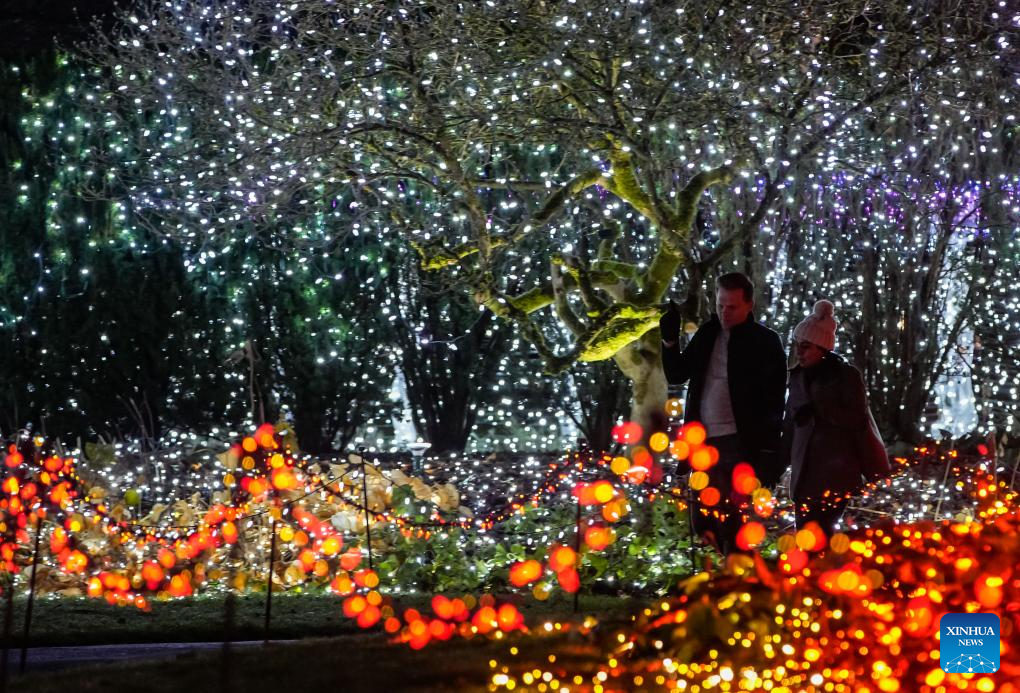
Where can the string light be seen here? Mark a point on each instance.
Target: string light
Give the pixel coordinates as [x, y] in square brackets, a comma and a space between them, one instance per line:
[892, 180]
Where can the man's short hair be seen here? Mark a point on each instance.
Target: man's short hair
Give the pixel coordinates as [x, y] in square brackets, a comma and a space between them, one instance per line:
[736, 280]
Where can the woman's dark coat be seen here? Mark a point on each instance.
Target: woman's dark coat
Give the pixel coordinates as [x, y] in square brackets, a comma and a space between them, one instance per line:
[830, 439]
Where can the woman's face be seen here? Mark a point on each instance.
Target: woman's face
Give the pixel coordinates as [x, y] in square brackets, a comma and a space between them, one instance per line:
[808, 354]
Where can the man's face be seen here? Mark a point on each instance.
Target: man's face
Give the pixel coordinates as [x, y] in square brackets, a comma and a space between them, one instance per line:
[732, 308]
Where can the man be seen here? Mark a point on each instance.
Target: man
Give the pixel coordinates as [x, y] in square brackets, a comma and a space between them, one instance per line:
[737, 372]
[830, 439]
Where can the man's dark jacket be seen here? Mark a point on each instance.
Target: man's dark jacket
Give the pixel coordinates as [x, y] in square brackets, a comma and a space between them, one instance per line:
[756, 366]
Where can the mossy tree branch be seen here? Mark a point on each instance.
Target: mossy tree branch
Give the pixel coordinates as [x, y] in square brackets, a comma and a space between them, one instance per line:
[504, 307]
[582, 276]
[555, 202]
[542, 296]
[688, 199]
[563, 309]
[607, 245]
[435, 256]
[635, 294]
[623, 183]
[672, 240]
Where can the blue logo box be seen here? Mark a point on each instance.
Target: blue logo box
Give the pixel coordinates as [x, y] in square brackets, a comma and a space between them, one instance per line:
[969, 643]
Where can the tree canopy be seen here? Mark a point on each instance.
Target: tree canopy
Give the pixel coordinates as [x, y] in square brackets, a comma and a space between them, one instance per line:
[576, 156]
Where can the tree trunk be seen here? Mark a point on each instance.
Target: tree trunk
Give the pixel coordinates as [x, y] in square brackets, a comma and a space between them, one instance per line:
[641, 361]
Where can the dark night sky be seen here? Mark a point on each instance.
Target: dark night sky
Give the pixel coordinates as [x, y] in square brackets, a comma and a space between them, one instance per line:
[29, 26]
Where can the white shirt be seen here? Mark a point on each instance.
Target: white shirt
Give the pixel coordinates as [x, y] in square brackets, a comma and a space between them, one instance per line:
[716, 405]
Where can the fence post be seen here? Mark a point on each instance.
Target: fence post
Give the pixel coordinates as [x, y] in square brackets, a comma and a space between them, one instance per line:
[364, 500]
[229, 604]
[31, 595]
[269, 578]
[690, 526]
[8, 623]
[945, 478]
[577, 548]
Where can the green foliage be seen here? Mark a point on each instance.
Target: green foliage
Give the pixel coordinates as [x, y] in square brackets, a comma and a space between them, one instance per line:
[650, 554]
[648, 557]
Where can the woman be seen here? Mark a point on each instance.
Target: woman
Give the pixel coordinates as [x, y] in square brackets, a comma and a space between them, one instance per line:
[829, 435]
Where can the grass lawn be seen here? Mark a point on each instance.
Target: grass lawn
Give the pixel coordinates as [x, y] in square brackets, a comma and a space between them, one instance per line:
[84, 621]
[358, 662]
[332, 655]
[59, 621]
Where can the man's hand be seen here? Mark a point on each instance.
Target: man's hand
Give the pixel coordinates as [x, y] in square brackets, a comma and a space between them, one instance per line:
[671, 323]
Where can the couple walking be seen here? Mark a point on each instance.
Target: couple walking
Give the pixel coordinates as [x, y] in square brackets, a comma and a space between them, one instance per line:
[738, 376]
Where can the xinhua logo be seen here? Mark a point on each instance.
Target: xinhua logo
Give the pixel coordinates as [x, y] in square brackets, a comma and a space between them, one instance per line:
[969, 643]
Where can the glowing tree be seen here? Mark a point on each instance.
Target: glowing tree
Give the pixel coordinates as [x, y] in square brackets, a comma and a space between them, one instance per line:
[315, 339]
[450, 354]
[109, 330]
[909, 251]
[595, 128]
[994, 358]
[907, 264]
[79, 359]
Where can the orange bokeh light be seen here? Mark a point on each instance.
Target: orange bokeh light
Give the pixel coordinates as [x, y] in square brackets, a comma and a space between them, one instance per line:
[627, 433]
[284, 479]
[603, 491]
[658, 441]
[744, 479]
[75, 562]
[704, 458]
[264, 435]
[561, 558]
[342, 585]
[351, 559]
[525, 572]
[694, 434]
[354, 605]
[331, 545]
[709, 496]
[598, 537]
[811, 537]
[569, 580]
[750, 535]
[509, 618]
